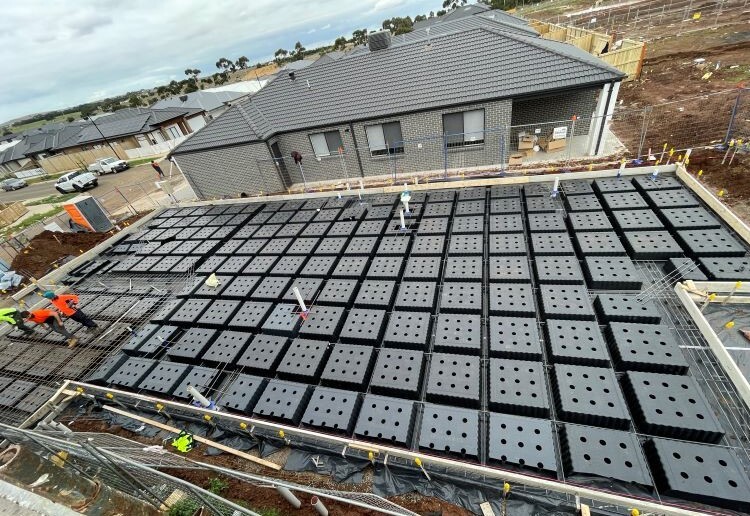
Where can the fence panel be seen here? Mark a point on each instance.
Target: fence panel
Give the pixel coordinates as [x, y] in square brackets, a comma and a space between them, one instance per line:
[158, 149]
[78, 160]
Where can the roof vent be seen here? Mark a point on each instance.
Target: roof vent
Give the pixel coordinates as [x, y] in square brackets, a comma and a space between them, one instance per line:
[379, 40]
[183, 98]
[292, 76]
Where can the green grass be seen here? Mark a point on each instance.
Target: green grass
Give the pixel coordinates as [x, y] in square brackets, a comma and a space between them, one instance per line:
[39, 123]
[30, 221]
[184, 507]
[53, 199]
[140, 161]
[217, 485]
[48, 177]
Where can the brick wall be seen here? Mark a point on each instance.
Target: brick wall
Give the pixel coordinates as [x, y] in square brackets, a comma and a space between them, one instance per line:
[557, 108]
[229, 171]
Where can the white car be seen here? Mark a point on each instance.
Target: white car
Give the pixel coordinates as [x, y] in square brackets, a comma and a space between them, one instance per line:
[107, 165]
[76, 182]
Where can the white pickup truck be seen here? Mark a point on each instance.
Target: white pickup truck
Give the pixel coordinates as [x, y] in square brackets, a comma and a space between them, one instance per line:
[107, 165]
[77, 181]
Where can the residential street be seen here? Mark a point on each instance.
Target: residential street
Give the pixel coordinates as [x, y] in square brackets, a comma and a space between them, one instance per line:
[139, 174]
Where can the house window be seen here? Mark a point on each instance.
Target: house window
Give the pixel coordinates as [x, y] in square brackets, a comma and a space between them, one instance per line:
[174, 132]
[385, 139]
[327, 143]
[464, 129]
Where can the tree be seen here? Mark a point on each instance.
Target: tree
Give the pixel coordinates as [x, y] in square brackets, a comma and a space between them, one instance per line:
[499, 4]
[135, 101]
[441, 12]
[191, 87]
[226, 65]
[419, 18]
[339, 43]
[432, 14]
[192, 72]
[452, 4]
[398, 25]
[280, 55]
[241, 62]
[7, 131]
[298, 52]
[70, 119]
[359, 37]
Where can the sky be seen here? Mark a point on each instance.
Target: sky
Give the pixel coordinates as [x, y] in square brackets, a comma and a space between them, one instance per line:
[56, 54]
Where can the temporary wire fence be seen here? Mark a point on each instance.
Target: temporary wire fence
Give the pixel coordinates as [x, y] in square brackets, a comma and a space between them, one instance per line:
[646, 133]
[95, 452]
[643, 17]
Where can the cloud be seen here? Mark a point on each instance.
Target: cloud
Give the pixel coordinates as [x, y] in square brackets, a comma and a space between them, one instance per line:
[54, 53]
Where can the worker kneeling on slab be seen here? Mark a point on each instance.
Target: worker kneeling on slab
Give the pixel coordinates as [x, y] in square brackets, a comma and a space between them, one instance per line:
[51, 319]
[67, 305]
[14, 317]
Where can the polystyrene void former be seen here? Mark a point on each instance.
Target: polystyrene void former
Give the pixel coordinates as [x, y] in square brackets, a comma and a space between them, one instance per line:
[518, 387]
[511, 299]
[332, 410]
[364, 326]
[699, 472]
[671, 406]
[626, 308]
[589, 395]
[398, 372]
[645, 347]
[521, 441]
[611, 273]
[385, 419]
[458, 333]
[566, 302]
[576, 342]
[514, 337]
[410, 330]
[283, 401]
[602, 452]
[348, 366]
[454, 379]
[450, 431]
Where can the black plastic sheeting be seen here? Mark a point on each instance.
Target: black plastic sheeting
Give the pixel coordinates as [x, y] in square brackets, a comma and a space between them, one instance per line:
[340, 469]
[717, 316]
[466, 493]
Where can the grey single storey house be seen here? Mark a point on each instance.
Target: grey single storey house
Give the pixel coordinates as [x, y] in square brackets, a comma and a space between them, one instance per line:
[455, 94]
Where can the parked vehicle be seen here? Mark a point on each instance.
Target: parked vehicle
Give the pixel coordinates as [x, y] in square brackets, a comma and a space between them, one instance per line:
[77, 181]
[107, 165]
[13, 184]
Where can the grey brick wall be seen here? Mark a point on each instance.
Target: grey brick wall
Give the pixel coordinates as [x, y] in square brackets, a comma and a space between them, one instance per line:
[423, 149]
[229, 171]
[557, 108]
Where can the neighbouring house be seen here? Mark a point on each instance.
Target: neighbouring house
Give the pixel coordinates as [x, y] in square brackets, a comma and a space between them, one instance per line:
[129, 128]
[454, 94]
[211, 103]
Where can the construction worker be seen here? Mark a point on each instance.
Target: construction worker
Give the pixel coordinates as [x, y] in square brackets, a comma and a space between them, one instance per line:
[66, 304]
[53, 320]
[15, 317]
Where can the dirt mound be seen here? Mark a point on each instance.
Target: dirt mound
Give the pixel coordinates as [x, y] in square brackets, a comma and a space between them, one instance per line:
[48, 248]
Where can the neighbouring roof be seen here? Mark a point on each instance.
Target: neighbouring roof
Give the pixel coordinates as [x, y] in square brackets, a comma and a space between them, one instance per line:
[472, 59]
[329, 57]
[231, 128]
[248, 86]
[204, 100]
[297, 65]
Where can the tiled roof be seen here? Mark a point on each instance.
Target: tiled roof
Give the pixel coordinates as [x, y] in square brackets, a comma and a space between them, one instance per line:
[471, 61]
[231, 128]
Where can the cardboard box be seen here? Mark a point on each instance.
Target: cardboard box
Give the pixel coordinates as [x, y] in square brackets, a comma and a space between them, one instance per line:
[525, 142]
[515, 159]
[550, 145]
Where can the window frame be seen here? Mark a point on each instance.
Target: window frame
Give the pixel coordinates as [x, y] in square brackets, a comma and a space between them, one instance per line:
[388, 149]
[324, 136]
[452, 141]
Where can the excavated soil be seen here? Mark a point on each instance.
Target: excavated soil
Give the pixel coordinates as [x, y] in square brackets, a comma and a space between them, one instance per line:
[49, 248]
[265, 498]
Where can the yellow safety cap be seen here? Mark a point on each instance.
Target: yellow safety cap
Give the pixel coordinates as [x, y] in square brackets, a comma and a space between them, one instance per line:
[109, 396]
[418, 461]
[207, 417]
[159, 406]
[281, 434]
[506, 488]
[370, 455]
[635, 512]
[243, 426]
[711, 297]
[729, 325]
[738, 284]
[79, 389]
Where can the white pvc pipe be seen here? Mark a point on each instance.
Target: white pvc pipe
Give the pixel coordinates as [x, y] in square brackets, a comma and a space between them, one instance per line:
[301, 301]
[403, 222]
[556, 186]
[406, 206]
[287, 495]
[318, 505]
[197, 396]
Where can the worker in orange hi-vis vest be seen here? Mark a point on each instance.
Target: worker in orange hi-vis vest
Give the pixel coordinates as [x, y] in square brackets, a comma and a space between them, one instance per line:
[53, 320]
[67, 304]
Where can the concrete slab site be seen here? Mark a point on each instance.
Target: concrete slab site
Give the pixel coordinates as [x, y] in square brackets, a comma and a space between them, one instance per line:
[504, 326]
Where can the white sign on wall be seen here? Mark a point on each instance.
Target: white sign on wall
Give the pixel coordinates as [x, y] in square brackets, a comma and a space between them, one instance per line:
[559, 133]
